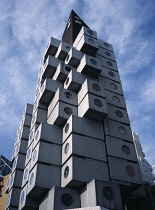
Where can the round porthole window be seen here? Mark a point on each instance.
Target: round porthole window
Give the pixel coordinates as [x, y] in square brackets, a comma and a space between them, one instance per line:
[106, 44]
[14, 163]
[35, 106]
[8, 182]
[34, 155]
[42, 88]
[96, 87]
[25, 173]
[98, 103]
[119, 114]
[19, 134]
[28, 153]
[111, 74]
[68, 68]
[122, 130]
[93, 61]
[33, 119]
[91, 41]
[8, 199]
[67, 199]
[66, 149]
[67, 57]
[22, 196]
[67, 48]
[108, 53]
[31, 178]
[11, 180]
[68, 110]
[67, 128]
[31, 135]
[90, 32]
[113, 85]
[109, 63]
[37, 134]
[68, 95]
[130, 171]
[66, 172]
[126, 149]
[67, 80]
[116, 99]
[108, 193]
[17, 148]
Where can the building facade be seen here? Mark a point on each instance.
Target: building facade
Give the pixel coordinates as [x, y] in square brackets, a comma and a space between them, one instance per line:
[145, 167]
[74, 145]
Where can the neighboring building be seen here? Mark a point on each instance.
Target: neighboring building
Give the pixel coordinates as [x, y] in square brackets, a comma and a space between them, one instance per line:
[5, 166]
[3, 195]
[146, 168]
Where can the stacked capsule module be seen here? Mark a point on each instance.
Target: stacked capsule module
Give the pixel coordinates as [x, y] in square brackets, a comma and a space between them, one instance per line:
[74, 147]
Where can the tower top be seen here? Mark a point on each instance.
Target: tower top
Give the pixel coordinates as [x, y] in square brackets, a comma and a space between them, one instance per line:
[73, 27]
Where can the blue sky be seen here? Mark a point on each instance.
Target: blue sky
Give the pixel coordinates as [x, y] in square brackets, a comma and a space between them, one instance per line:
[25, 28]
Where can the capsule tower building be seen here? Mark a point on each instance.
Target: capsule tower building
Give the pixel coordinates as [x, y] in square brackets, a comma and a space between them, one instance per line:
[74, 147]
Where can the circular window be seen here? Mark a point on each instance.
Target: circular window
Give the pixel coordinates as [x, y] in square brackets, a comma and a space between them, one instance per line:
[98, 103]
[109, 63]
[67, 80]
[67, 57]
[14, 163]
[67, 128]
[37, 91]
[11, 180]
[19, 134]
[108, 193]
[119, 114]
[106, 44]
[22, 196]
[31, 178]
[107, 53]
[17, 148]
[33, 119]
[68, 68]
[67, 199]
[66, 149]
[66, 172]
[111, 74]
[96, 87]
[130, 171]
[126, 149]
[35, 106]
[31, 135]
[8, 182]
[37, 134]
[90, 32]
[42, 87]
[25, 173]
[68, 110]
[67, 48]
[91, 41]
[68, 95]
[28, 153]
[8, 199]
[34, 155]
[113, 85]
[122, 130]
[93, 61]
[116, 99]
